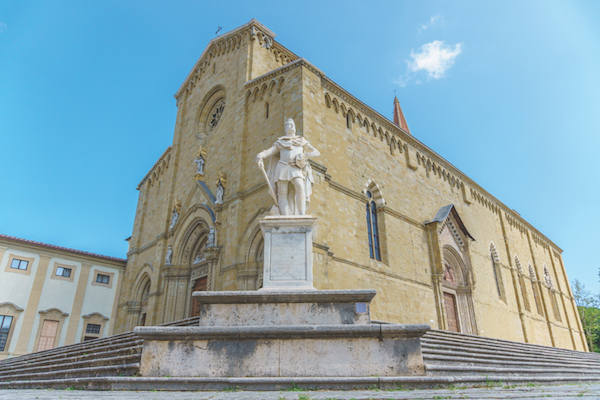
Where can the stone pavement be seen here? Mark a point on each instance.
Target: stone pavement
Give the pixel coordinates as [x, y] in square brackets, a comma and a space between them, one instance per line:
[559, 392]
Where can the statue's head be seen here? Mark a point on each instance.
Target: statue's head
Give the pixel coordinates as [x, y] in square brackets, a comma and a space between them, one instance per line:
[290, 127]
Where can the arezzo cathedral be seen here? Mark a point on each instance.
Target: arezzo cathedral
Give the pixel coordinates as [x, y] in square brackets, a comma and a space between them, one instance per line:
[392, 214]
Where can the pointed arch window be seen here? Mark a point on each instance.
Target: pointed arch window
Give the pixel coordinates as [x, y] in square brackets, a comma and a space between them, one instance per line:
[497, 272]
[372, 228]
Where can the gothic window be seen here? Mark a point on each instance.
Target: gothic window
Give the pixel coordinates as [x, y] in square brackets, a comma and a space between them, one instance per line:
[497, 271]
[372, 229]
[552, 293]
[215, 115]
[266, 110]
[349, 121]
[536, 291]
[522, 284]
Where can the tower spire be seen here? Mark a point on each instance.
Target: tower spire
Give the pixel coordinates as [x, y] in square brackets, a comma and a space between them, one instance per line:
[399, 116]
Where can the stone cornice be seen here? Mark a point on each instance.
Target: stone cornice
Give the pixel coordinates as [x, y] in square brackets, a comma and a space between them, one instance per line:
[155, 166]
[300, 62]
[385, 123]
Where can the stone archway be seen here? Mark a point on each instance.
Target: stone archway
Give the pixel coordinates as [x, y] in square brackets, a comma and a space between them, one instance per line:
[457, 293]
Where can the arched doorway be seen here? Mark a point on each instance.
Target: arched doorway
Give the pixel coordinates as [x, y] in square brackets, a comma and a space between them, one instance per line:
[194, 255]
[456, 288]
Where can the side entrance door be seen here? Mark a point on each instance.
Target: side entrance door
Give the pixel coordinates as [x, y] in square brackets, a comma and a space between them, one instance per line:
[200, 285]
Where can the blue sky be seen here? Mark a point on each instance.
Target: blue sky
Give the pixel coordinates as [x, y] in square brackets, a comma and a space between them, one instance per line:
[508, 92]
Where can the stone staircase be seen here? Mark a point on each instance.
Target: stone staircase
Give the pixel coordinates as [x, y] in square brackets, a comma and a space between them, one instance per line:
[117, 355]
[449, 354]
[450, 359]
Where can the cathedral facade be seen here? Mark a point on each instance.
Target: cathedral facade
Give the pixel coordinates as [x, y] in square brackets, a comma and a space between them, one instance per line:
[392, 214]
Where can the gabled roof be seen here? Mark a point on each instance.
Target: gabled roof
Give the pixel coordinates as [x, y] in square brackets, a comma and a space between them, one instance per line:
[253, 25]
[443, 214]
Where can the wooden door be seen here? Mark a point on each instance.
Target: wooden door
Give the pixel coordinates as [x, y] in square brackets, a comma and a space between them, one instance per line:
[48, 335]
[199, 286]
[451, 314]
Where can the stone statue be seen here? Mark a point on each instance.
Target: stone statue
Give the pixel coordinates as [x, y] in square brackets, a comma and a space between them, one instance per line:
[200, 163]
[169, 256]
[288, 164]
[175, 214]
[220, 191]
[211, 237]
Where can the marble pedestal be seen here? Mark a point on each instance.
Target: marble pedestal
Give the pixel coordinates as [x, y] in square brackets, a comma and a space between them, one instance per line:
[288, 252]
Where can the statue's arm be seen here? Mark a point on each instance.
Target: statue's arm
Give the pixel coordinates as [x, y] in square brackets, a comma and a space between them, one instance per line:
[310, 151]
[266, 153]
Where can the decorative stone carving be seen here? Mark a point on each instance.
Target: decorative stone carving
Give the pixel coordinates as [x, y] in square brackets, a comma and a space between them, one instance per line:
[200, 161]
[449, 273]
[288, 164]
[211, 238]
[169, 257]
[221, 182]
[175, 214]
[215, 115]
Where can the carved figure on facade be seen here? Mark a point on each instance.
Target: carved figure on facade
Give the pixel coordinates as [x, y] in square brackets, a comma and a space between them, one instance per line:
[221, 182]
[175, 213]
[200, 161]
[288, 164]
[211, 241]
[449, 273]
[169, 257]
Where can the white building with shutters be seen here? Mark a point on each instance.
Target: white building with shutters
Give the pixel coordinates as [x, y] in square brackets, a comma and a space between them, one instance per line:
[52, 296]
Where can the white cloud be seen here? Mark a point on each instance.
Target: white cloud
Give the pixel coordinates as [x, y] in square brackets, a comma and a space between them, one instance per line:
[431, 22]
[435, 58]
[3, 27]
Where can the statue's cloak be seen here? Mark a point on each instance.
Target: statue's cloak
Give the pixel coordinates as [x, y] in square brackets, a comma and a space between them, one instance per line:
[288, 143]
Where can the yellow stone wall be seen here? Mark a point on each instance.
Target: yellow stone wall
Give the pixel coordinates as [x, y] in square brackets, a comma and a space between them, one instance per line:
[411, 182]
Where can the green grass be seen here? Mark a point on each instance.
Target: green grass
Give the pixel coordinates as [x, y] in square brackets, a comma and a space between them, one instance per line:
[294, 388]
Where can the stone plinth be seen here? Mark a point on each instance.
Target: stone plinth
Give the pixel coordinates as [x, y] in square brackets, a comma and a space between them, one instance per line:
[288, 251]
[283, 351]
[293, 333]
[294, 307]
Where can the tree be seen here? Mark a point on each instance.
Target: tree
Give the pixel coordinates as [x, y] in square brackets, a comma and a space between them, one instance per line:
[588, 306]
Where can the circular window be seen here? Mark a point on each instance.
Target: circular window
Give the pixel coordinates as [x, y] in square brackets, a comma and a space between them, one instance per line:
[215, 115]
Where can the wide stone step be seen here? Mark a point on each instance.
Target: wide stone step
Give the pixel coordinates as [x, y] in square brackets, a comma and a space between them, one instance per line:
[84, 372]
[442, 359]
[493, 342]
[80, 352]
[432, 346]
[283, 383]
[121, 340]
[456, 370]
[460, 354]
[521, 347]
[72, 364]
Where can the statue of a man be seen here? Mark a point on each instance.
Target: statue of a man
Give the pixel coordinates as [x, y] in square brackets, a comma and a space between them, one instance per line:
[211, 241]
[220, 192]
[175, 213]
[169, 256]
[200, 164]
[289, 164]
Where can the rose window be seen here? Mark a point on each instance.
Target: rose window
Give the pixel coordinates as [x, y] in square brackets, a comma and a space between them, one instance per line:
[215, 115]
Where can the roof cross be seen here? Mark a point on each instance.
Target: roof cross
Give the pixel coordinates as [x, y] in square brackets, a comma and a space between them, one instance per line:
[218, 30]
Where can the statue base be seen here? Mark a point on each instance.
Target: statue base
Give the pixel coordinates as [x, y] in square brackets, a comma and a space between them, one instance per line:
[288, 252]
